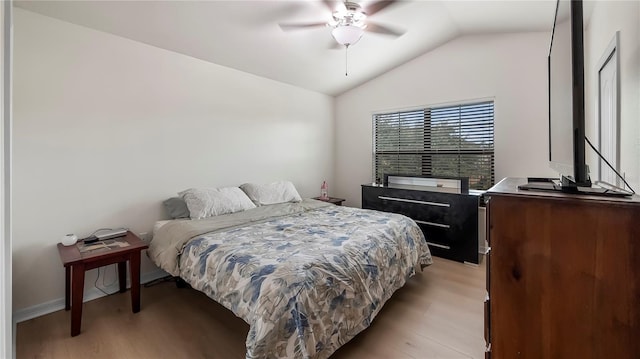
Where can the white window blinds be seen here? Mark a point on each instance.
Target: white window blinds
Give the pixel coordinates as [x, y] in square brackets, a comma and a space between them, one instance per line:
[447, 141]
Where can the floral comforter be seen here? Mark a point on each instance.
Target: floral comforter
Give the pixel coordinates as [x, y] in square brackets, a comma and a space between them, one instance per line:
[306, 282]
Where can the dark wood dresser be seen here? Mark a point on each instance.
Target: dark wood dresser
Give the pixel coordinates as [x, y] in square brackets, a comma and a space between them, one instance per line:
[563, 275]
[448, 218]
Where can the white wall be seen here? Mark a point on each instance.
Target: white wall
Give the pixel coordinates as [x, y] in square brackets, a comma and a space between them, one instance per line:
[106, 128]
[606, 18]
[510, 68]
[6, 323]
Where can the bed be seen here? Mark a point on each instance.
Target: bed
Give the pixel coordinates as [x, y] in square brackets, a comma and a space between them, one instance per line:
[307, 276]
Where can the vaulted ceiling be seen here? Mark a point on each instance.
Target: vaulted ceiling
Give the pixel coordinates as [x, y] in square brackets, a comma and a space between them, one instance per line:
[245, 35]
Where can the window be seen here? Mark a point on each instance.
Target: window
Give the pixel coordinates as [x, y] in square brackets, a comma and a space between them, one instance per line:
[447, 141]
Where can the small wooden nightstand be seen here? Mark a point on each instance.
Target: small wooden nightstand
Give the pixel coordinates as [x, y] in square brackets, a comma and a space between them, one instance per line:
[76, 263]
[334, 200]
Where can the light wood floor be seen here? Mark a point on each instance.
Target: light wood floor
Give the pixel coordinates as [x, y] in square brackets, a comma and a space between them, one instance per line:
[438, 314]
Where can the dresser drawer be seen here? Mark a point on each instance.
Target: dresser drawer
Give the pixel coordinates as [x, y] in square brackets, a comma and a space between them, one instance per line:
[436, 213]
[487, 259]
[487, 320]
[441, 237]
[417, 205]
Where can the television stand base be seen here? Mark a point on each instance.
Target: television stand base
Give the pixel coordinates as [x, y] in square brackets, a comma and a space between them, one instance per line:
[585, 191]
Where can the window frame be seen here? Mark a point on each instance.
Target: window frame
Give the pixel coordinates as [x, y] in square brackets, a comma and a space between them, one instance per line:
[475, 117]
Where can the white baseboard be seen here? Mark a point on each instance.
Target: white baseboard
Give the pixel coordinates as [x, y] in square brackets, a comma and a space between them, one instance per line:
[58, 304]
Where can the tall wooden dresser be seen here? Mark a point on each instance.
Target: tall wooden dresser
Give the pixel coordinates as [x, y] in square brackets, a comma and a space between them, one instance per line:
[563, 275]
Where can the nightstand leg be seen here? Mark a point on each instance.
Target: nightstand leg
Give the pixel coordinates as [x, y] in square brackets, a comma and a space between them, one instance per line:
[134, 269]
[122, 276]
[67, 287]
[77, 292]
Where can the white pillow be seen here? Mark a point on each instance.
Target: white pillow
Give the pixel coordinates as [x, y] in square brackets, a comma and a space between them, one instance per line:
[209, 202]
[272, 193]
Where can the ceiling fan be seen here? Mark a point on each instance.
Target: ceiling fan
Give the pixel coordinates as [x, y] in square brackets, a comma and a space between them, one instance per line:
[349, 20]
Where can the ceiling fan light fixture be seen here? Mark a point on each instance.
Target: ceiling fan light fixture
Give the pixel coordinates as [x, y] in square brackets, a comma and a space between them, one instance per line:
[347, 34]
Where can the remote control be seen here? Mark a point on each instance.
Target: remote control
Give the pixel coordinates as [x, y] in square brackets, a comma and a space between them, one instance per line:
[90, 240]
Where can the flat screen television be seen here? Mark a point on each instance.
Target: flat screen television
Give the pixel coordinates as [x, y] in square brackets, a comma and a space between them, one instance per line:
[567, 141]
[566, 96]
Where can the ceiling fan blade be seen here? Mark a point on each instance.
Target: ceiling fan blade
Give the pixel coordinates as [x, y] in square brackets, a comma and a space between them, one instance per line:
[288, 27]
[382, 29]
[377, 6]
[331, 5]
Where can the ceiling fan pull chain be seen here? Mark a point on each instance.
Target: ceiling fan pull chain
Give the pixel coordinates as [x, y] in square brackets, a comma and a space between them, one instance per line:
[346, 61]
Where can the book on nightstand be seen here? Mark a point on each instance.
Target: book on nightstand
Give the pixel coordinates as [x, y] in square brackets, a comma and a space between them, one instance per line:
[104, 245]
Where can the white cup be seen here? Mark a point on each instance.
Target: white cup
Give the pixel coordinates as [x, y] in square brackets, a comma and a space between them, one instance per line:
[69, 240]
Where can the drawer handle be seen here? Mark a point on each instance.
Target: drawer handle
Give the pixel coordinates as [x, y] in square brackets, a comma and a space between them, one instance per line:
[438, 204]
[438, 245]
[433, 224]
